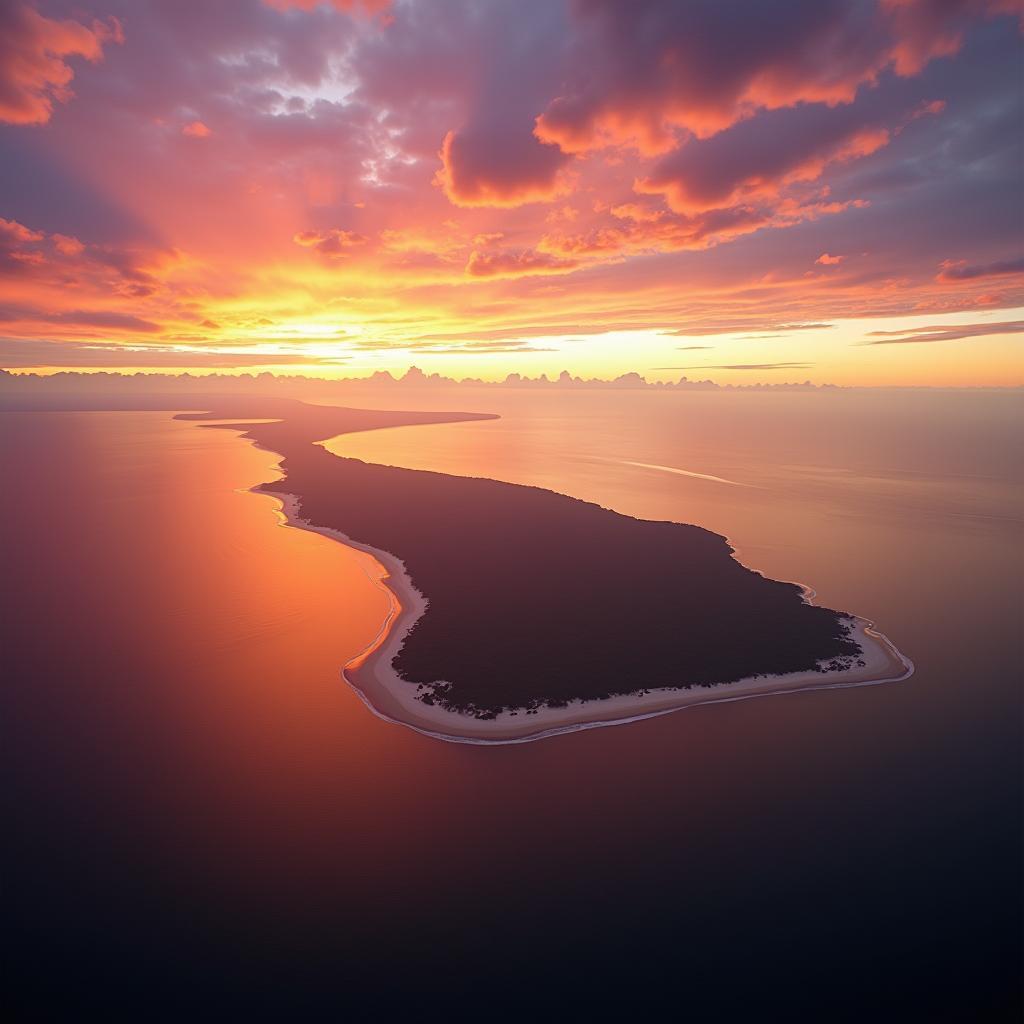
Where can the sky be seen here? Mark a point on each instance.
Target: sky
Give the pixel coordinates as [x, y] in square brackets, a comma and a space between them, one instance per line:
[826, 190]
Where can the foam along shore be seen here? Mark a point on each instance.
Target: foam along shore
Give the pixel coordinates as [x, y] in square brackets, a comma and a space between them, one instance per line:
[396, 700]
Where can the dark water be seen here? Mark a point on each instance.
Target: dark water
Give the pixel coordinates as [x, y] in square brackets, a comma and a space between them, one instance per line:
[203, 821]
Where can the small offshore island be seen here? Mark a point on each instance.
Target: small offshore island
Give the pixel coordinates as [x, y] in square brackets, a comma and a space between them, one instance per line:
[518, 613]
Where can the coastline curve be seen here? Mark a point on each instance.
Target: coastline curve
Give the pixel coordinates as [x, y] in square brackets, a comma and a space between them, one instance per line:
[393, 699]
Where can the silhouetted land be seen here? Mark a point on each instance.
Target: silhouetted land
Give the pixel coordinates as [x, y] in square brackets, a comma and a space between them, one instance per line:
[536, 598]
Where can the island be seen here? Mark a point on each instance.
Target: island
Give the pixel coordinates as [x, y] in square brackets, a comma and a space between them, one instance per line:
[518, 613]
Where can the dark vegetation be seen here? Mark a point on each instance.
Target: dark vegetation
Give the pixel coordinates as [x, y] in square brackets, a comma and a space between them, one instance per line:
[536, 598]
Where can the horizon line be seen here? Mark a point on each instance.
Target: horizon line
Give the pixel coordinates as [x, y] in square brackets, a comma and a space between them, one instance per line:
[416, 377]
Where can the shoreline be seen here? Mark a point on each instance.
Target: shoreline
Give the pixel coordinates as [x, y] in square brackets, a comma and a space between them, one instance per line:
[388, 696]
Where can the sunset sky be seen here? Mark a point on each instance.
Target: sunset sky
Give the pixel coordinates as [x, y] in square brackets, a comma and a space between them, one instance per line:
[761, 191]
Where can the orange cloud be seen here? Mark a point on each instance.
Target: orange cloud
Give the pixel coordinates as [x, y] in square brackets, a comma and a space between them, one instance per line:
[34, 72]
[57, 281]
[335, 244]
[827, 260]
[517, 264]
[196, 130]
[638, 229]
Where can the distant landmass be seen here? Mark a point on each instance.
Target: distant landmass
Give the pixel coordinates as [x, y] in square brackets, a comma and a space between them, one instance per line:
[298, 385]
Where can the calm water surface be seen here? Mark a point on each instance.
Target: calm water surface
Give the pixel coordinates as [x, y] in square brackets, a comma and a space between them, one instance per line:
[205, 816]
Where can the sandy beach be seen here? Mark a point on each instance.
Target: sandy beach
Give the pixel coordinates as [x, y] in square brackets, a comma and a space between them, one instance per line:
[394, 699]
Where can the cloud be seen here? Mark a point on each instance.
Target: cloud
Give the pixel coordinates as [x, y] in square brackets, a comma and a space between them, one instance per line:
[464, 346]
[327, 129]
[943, 333]
[61, 266]
[644, 72]
[698, 330]
[67, 245]
[493, 166]
[103, 318]
[335, 244]
[628, 230]
[493, 350]
[503, 67]
[516, 264]
[27, 354]
[34, 52]
[79, 318]
[196, 130]
[959, 270]
[925, 29]
[11, 232]
[827, 260]
[758, 160]
[533, 329]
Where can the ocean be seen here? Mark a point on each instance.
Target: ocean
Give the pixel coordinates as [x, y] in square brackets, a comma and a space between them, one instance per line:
[205, 816]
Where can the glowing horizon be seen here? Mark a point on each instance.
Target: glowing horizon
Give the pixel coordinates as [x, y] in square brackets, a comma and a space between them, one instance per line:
[831, 193]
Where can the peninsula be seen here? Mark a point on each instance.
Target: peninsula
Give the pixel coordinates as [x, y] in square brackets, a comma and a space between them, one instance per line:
[517, 612]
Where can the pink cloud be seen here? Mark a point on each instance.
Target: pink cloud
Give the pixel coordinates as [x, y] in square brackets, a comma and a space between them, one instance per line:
[481, 167]
[34, 70]
[12, 232]
[66, 245]
[827, 260]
